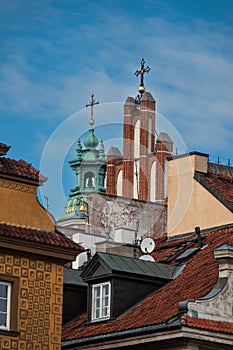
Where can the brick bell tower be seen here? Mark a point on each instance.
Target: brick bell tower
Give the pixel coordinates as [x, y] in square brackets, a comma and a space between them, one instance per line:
[139, 172]
[138, 144]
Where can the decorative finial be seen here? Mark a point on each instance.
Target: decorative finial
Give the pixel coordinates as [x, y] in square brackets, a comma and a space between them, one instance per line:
[141, 72]
[92, 103]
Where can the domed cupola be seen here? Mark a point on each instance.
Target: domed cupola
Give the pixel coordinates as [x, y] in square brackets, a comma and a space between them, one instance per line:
[89, 166]
[91, 141]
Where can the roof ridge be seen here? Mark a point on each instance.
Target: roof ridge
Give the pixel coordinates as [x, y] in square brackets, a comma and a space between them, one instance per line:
[220, 169]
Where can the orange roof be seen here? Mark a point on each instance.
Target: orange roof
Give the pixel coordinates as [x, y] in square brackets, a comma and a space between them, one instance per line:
[20, 168]
[210, 325]
[218, 181]
[38, 236]
[196, 280]
[4, 149]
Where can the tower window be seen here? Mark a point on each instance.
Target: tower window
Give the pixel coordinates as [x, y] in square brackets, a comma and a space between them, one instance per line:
[89, 179]
[101, 301]
[149, 135]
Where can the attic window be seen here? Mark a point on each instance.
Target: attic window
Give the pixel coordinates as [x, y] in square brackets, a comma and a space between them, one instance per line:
[101, 301]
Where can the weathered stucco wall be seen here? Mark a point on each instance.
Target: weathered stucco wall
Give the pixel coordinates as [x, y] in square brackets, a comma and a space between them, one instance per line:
[119, 212]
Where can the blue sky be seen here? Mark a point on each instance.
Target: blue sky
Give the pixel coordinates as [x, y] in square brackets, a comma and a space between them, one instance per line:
[55, 54]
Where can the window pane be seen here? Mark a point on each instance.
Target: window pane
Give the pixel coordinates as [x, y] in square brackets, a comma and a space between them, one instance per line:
[97, 302]
[97, 313]
[105, 302]
[106, 289]
[3, 291]
[97, 292]
[104, 311]
[3, 305]
[2, 320]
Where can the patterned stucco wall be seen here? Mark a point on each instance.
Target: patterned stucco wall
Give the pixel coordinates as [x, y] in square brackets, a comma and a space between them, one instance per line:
[38, 301]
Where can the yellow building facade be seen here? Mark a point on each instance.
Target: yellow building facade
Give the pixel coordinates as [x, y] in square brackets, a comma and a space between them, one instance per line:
[32, 258]
[199, 194]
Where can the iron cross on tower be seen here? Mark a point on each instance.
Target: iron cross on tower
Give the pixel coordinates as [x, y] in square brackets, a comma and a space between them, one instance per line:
[92, 103]
[141, 72]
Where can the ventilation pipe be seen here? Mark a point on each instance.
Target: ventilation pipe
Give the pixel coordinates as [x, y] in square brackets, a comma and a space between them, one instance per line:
[198, 234]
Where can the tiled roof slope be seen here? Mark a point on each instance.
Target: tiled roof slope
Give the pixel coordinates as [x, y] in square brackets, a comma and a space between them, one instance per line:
[3, 149]
[196, 280]
[20, 168]
[38, 236]
[218, 181]
[210, 325]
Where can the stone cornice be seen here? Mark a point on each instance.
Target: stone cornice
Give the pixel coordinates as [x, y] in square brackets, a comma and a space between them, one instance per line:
[8, 183]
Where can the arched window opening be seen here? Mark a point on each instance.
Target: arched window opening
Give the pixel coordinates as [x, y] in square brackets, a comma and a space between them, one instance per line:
[153, 182]
[136, 158]
[119, 183]
[89, 179]
[149, 134]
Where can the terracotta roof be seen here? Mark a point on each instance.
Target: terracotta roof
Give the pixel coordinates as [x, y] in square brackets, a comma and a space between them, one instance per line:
[196, 280]
[218, 181]
[4, 149]
[38, 236]
[210, 325]
[20, 168]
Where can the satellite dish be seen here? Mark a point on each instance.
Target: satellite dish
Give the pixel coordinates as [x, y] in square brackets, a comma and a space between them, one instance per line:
[147, 258]
[147, 245]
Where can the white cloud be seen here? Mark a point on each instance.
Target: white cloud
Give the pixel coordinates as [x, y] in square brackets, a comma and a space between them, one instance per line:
[74, 56]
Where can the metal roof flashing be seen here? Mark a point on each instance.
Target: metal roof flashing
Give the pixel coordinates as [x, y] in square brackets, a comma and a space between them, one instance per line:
[129, 268]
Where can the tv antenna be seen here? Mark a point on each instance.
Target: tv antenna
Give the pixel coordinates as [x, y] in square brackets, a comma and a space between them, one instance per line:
[46, 198]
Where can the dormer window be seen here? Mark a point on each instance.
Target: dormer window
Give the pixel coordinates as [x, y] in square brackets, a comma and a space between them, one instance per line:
[101, 301]
[123, 277]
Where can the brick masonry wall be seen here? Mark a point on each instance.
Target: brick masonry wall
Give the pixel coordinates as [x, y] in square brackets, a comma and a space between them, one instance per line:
[163, 151]
[132, 113]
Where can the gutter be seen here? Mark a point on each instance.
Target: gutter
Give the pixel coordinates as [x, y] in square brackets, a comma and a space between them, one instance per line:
[173, 323]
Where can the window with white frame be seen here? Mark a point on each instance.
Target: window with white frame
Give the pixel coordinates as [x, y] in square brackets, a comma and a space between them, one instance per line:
[5, 293]
[101, 301]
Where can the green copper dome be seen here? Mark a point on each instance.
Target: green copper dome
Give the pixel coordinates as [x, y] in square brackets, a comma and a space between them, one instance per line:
[91, 140]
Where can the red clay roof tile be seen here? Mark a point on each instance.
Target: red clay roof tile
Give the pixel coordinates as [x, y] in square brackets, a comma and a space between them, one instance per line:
[216, 326]
[219, 181]
[4, 149]
[20, 168]
[33, 235]
[196, 280]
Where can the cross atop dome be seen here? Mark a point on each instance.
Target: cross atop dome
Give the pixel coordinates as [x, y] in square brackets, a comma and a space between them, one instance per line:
[92, 103]
[141, 72]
